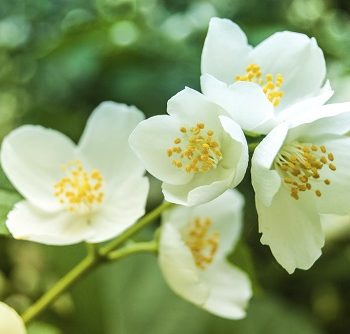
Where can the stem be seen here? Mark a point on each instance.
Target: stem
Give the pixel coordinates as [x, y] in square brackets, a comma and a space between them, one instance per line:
[94, 258]
[135, 228]
[151, 246]
[60, 287]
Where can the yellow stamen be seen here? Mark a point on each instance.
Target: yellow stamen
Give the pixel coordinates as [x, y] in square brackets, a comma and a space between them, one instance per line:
[271, 87]
[300, 165]
[202, 242]
[198, 151]
[79, 190]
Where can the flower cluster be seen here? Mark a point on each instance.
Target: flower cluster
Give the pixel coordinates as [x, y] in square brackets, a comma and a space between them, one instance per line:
[95, 190]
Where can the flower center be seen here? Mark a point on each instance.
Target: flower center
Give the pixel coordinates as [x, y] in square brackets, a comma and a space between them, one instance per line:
[196, 150]
[300, 166]
[79, 190]
[201, 242]
[271, 87]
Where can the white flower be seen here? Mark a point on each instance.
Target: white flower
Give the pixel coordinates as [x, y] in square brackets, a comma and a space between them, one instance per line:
[288, 67]
[194, 243]
[10, 321]
[89, 192]
[299, 172]
[197, 153]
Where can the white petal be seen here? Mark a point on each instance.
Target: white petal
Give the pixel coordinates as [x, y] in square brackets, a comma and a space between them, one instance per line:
[121, 210]
[203, 188]
[225, 50]
[292, 229]
[245, 102]
[235, 150]
[191, 107]
[10, 321]
[150, 141]
[60, 228]
[230, 290]
[332, 119]
[307, 109]
[104, 143]
[335, 197]
[32, 158]
[298, 58]
[266, 182]
[178, 267]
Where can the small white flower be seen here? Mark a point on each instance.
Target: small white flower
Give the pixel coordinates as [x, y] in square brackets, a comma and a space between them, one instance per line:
[288, 67]
[89, 192]
[194, 243]
[10, 321]
[197, 153]
[299, 172]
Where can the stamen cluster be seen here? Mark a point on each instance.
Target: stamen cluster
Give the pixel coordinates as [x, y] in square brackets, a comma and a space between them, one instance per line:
[300, 166]
[271, 87]
[203, 244]
[79, 190]
[196, 150]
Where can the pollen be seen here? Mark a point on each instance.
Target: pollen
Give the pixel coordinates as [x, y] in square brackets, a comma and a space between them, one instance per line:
[271, 86]
[202, 242]
[79, 190]
[300, 166]
[195, 150]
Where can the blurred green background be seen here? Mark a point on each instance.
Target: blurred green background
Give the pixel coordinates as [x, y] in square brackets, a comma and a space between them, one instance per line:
[59, 59]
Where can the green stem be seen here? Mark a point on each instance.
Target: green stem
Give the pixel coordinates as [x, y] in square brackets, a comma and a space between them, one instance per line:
[138, 247]
[149, 218]
[94, 258]
[60, 287]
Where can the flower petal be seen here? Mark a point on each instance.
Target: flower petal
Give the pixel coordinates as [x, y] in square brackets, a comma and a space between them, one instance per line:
[266, 182]
[191, 107]
[32, 158]
[150, 141]
[298, 58]
[235, 150]
[10, 321]
[332, 119]
[335, 197]
[230, 290]
[292, 229]
[243, 101]
[203, 188]
[307, 109]
[178, 267]
[104, 143]
[121, 209]
[60, 228]
[225, 50]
